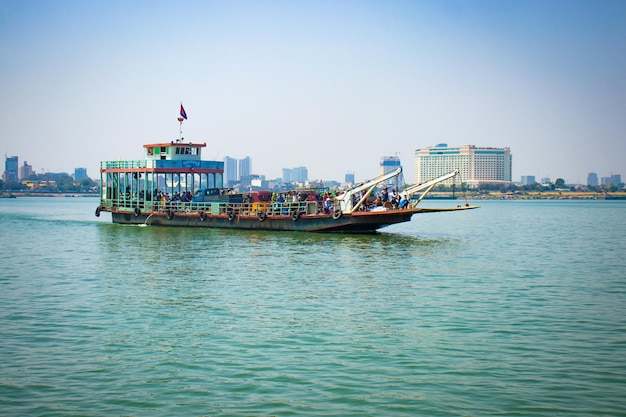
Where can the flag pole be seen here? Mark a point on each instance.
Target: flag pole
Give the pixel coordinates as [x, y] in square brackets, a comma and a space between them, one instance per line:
[183, 116]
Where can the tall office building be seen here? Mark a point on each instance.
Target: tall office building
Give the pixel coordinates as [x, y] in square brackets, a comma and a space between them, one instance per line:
[25, 171]
[230, 171]
[10, 169]
[245, 167]
[287, 175]
[616, 179]
[350, 178]
[299, 174]
[528, 179]
[475, 164]
[592, 179]
[389, 164]
[80, 174]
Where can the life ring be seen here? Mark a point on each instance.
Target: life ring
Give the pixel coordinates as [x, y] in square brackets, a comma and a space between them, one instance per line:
[262, 216]
[337, 214]
[137, 211]
[98, 211]
[230, 215]
[202, 215]
[295, 215]
[170, 214]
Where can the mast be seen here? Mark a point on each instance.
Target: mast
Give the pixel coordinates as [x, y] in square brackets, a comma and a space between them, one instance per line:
[183, 116]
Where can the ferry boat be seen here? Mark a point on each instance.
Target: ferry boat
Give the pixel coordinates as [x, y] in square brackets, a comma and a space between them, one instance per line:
[174, 186]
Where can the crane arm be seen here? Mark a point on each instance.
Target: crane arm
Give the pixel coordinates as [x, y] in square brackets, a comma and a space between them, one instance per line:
[345, 199]
[428, 185]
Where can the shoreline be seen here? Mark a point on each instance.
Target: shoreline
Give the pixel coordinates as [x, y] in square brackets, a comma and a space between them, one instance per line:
[64, 194]
[494, 195]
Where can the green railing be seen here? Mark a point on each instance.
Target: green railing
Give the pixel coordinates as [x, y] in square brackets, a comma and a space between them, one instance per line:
[126, 164]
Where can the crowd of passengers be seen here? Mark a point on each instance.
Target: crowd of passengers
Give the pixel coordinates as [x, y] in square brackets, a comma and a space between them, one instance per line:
[384, 199]
[325, 201]
[161, 199]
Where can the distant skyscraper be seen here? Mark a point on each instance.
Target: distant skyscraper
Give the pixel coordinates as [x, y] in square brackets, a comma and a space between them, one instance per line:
[300, 174]
[606, 181]
[616, 179]
[592, 179]
[389, 164]
[528, 179]
[350, 178]
[230, 171]
[10, 169]
[245, 167]
[287, 175]
[475, 164]
[25, 171]
[80, 174]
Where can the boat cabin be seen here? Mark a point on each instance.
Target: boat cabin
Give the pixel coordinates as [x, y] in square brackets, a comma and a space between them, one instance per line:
[168, 170]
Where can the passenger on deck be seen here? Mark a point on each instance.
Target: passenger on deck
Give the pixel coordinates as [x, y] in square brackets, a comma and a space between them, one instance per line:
[279, 203]
[393, 196]
[385, 195]
[404, 202]
[327, 208]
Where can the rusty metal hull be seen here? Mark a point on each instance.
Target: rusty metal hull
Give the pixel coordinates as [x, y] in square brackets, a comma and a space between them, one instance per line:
[360, 222]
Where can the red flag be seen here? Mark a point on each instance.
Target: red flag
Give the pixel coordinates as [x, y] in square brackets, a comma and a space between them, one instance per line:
[182, 112]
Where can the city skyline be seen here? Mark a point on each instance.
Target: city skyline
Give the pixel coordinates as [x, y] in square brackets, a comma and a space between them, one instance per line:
[601, 175]
[327, 85]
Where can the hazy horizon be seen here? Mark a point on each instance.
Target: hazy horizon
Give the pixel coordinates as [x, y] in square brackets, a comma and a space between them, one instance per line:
[332, 86]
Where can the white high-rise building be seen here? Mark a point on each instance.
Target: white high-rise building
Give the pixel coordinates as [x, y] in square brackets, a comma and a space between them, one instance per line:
[476, 164]
[230, 171]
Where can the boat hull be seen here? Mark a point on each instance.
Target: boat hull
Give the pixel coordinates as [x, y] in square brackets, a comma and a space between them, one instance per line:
[360, 222]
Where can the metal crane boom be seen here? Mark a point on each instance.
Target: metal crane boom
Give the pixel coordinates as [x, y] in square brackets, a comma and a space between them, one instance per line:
[428, 185]
[345, 200]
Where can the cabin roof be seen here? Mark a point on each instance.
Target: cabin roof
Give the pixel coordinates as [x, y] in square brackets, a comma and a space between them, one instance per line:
[179, 144]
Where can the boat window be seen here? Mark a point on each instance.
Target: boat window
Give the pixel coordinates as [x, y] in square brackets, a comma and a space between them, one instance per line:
[186, 151]
[150, 151]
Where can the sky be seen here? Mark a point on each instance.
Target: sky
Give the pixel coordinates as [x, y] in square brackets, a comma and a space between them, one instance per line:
[329, 85]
